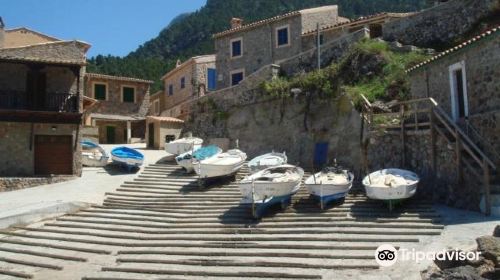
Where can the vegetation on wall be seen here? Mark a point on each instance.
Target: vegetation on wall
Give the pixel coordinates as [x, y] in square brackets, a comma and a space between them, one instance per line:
[191, 34]
[370, 68]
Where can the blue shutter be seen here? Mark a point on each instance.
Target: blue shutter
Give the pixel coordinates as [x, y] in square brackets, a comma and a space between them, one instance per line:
[212, 78]
[236, 48]
[282, 36]
[320, 154]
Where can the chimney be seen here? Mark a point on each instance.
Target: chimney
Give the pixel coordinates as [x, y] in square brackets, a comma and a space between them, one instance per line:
[2, 33]
[236, 22]
[178, 63]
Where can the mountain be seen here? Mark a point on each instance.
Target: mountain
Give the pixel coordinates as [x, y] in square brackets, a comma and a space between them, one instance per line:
[191, 34]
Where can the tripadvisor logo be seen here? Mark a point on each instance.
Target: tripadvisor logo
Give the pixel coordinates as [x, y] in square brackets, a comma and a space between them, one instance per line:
[387, 255]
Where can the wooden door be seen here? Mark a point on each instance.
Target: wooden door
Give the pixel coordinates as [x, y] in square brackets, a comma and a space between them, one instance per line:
[53, 154]
[110, 134]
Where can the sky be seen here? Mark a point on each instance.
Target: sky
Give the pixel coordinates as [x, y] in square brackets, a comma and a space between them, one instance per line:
[114, 27]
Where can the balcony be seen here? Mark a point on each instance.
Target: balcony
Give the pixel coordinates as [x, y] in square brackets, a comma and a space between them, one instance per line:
[49, 102]
[17, 106]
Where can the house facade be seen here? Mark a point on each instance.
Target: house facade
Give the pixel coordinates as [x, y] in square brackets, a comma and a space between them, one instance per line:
[188, 81]
[156, 103]
[160, 130]
[123, 104]
[41, 92]
[244, 49]
[464, 81]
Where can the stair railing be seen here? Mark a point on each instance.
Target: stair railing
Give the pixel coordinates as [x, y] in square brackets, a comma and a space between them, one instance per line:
[435, 116]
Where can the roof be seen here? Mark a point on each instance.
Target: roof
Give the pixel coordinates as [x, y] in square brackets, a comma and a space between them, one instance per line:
[476, 39]
[270, 20]
[23, 36]
[89, 103]
[57, 52]
[25, 29]
[119, 78]
[360, 20]
[165, 119]
[195, 59]
[115, 117]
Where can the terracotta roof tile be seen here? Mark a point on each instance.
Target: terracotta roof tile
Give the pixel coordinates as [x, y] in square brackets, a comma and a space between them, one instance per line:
[165, 119]
[120, 78]
[488, 33]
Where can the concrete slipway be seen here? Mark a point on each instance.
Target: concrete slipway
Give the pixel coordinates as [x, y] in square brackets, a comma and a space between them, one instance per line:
[158, 225]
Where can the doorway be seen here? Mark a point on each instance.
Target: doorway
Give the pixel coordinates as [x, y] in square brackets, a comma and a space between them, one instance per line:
[110, 134]
[458, 92]
[151, 135]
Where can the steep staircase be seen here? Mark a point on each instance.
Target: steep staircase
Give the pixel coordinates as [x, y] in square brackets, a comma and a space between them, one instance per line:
[426, 114]
[162, 225]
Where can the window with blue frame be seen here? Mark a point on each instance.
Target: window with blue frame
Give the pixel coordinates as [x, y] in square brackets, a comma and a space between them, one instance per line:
[282, 36]
[170, 89]
[183, 82]
[211, 79]
[236, 48]
[236, 78]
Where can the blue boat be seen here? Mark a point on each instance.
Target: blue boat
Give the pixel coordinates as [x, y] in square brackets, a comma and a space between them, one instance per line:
[127, 157]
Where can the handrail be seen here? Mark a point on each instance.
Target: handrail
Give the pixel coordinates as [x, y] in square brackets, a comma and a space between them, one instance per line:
[491, 149]
[450, 125]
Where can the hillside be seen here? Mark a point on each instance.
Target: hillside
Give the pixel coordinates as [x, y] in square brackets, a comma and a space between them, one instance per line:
[190, 34]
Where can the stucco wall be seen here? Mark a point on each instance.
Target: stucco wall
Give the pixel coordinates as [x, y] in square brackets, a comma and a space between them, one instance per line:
[15, 138]
[161, 129]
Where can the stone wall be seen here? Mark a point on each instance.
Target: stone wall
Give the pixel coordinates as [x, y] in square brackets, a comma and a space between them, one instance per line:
[331, 52]
[480, 61]
[16, 183]
[385, 151]
[440, 25]
[15, 142]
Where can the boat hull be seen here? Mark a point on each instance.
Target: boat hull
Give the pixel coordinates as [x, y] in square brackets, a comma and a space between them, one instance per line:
[265, 161]
[130, 162]
[392, 192]
[328, 193]
[264, 191]
[205, 171]
[89, 159]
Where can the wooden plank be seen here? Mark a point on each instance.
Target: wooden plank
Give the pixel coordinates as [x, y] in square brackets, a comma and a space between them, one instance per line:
[403, 138]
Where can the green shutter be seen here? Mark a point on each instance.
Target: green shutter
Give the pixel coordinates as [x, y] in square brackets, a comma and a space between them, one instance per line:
[128, 94]
[100, 91]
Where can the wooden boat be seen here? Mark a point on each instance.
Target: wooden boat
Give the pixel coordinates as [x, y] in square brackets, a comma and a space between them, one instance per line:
[391, 185]
[332, 183]
[189, 160]
[267, 160]
[270, 186]
[183, 145]
[127, 157]
[93, 154]
[221, 165]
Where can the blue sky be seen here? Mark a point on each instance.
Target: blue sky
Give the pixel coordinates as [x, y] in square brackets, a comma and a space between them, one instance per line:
[111, 26]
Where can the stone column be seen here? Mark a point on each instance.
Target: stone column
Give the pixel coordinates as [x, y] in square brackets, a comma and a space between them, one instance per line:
[129, 132]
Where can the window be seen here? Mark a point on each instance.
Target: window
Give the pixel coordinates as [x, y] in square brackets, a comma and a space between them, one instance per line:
[183, 82]
[156, 107]
[236, 77]
[211, 79]
[170, 89]
[321, 39]
[236, 48]
[282, 39]
[128, 94]
[100, 91]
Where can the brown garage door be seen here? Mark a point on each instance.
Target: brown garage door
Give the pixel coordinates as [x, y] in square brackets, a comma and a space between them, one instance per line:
[53, 155]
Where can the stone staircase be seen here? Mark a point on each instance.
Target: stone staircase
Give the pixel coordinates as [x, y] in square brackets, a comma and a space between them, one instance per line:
[162, 226]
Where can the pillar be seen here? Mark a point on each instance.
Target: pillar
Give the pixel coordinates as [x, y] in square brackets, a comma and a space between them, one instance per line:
[129, 132]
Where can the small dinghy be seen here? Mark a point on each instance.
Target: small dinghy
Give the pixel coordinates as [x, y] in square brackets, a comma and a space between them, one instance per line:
[267, 160]
[183, 145]
[332, 183]
[93, 154]
[270, 186]
[127, 157]
[391, 185]
[221, 165]
[190, 159]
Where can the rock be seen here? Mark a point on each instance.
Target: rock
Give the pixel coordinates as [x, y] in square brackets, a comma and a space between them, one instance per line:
[447, 263]
[458, 273]
[379, 106]
[496, 232]
[490, 248]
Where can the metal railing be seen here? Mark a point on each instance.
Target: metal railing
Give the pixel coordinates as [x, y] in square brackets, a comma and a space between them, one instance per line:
[423, 112]
[54, 102]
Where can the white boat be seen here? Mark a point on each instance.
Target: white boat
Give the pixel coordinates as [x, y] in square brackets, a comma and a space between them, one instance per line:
[267, 160]
[273, 182]
[93, 154]
[391, 185]
[189, 160]
[183, 145]
[223, 164]
[330, 184]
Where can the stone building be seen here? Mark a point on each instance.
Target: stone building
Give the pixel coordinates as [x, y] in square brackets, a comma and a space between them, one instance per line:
[373, 23]
[244, 49]
[464, 81]
[187, 82]
[162, 129]
[123, 104]
[41, 85]
[156, 103]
